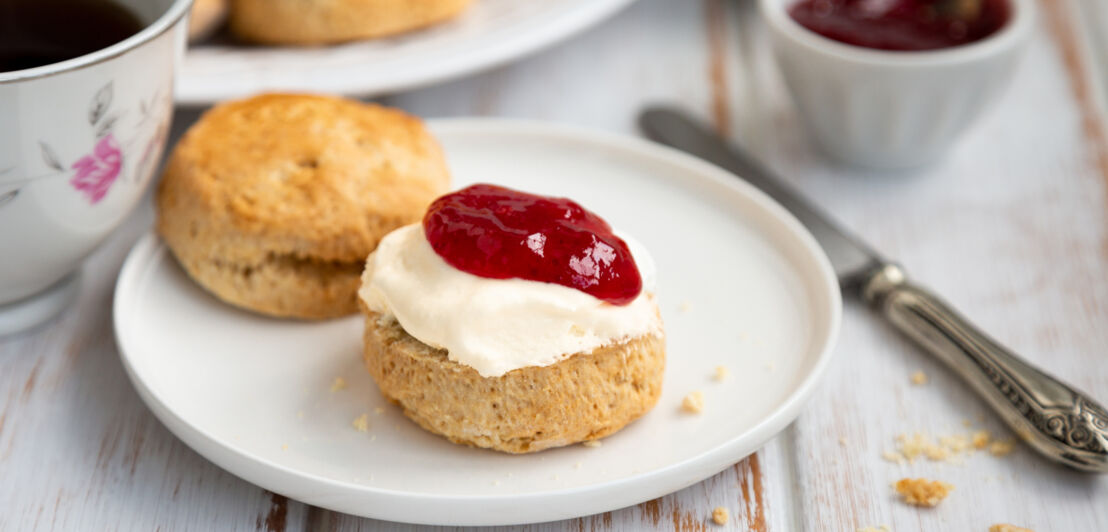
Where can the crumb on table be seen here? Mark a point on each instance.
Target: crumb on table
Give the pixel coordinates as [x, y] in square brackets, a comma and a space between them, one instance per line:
[981, 439]
[693, 403]
[919, 378]
[721, 373]
[338, 384]
[592, 443]
[922, 492]
[720, 515]
[1001, 447]
[361, 423]
[1001, 527]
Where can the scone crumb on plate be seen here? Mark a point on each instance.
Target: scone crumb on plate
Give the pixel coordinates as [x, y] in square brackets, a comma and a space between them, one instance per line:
[285, 447]
[693, 403]
[919, 378]
[684, 307]
[922, 492]
[592, 443]
[361, 423]
[721, 373]
[842, 441]
[1001, 447]
[720, 515]
[338, 384]
[1002, 527]
[379, 410]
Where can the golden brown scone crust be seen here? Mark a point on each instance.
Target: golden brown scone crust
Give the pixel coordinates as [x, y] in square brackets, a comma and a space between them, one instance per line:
[584, 397]
[206, 17]
[307, 22]
[273, 203]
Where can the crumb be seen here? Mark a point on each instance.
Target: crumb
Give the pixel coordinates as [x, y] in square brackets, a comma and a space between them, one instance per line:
[922, 492]
[1001, 447]
[919, 378]
[285, 447]
[576, 330]
[361, 423]
[338, 384]
[955, 444]
[720, 515]
[842, 441]
[378, 410]
[693, 403]
[893, 456]
[721, 373]
[592, 444]
[577, 465]
[967, 423]
[1008, 528]
[684, 307]
[981, 439]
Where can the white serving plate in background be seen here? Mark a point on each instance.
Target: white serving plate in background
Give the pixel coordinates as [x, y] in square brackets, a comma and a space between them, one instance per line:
[489, 33]
[740, 283]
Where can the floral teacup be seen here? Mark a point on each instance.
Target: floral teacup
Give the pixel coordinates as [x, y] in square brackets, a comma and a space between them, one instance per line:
[79, 143]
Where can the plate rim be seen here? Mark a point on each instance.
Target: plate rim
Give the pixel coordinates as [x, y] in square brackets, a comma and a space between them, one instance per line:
[665, 480]
[587, 15]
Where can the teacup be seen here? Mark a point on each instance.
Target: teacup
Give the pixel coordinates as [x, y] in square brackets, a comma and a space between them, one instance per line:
[79, 143]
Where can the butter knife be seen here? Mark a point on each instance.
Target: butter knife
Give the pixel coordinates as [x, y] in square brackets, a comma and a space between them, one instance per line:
[1056, 420]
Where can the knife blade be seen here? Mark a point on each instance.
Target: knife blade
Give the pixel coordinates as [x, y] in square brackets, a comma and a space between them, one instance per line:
[1060, 422]
[850, 257]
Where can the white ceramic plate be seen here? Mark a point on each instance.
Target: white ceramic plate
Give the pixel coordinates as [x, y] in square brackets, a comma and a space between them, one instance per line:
[740, 283]
[489, 33]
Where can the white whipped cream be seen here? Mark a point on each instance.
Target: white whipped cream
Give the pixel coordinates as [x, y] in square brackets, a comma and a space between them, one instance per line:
[497, 325]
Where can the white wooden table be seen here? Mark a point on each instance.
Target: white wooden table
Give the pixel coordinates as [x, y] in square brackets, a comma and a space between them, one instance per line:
[1011, 227]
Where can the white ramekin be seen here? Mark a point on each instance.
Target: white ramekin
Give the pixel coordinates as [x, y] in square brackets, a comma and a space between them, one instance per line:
[887, 109]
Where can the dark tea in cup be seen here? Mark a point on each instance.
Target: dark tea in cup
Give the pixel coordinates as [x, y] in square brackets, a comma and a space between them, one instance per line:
[35, 33]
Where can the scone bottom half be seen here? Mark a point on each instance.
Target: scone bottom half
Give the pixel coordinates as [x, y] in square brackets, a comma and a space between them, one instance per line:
[584, 397]
[272, 203]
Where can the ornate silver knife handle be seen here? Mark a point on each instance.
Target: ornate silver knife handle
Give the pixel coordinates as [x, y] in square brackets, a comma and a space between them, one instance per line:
[1060, 422]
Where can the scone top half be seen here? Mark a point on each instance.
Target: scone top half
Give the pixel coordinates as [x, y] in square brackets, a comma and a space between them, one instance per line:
[483, 324]
[273, 203]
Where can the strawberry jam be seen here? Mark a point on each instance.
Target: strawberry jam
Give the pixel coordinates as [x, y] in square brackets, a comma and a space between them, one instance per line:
[905, 25]
[500, 233]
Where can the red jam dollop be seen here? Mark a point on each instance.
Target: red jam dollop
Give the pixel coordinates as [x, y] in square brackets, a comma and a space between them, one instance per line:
[904, 25]
[500, 233]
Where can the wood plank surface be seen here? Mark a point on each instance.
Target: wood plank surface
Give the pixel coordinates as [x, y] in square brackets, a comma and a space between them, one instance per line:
[1011, 228]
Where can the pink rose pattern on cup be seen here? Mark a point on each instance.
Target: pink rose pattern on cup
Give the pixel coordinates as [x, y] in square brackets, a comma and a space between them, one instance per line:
[101, 165]
[96, 172]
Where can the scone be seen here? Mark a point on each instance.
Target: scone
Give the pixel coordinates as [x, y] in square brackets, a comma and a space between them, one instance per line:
[307, 22]
[273, 203]
[205, 18]
[513, 322]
